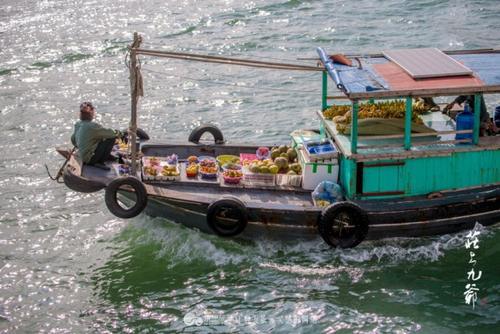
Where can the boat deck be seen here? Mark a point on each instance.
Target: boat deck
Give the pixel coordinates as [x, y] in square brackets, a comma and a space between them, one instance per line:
[203, 191]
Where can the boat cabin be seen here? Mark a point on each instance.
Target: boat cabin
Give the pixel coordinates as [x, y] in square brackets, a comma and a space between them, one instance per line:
[423, 152]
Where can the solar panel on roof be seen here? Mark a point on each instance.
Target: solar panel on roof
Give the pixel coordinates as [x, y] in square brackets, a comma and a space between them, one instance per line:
[426, 63]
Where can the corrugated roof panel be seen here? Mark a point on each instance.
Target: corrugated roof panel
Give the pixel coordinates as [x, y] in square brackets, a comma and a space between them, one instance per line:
[426, 63]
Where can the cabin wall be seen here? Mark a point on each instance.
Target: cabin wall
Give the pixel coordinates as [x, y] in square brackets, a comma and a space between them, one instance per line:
[419, 176]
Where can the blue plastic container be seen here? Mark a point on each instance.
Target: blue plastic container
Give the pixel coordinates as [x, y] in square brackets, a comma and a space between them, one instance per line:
[465, 121]
[496, 117]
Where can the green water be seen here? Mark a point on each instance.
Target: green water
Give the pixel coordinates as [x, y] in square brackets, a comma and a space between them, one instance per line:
[68, 266]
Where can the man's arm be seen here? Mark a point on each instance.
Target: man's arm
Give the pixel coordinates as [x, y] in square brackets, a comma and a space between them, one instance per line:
[103, 133]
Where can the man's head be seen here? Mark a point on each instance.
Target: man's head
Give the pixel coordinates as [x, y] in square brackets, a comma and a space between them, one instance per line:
[87, 111]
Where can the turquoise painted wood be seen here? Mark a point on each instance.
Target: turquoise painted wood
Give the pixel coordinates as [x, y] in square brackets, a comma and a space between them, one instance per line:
[324, 91]
[354, 126]
[422, 176]
[408, 111]
[477, 118]
[382, 179]
[347, 175]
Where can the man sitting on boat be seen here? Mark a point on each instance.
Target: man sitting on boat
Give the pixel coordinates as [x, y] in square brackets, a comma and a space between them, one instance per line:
[93, 141]
[486, 123]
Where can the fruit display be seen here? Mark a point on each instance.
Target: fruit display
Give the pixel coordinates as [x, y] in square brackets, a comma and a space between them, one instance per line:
[122, 146]
[341, 114]
[262, 153]
[159, 169]
[152, 161]
[172, 159]
[150, 171]
[123, 169]
[225, 159]
[280, 161]
[208, 168]
[232, 176]
[192, 159]
[191, 169]
[170, 170]
[322, 203]
[231, 166]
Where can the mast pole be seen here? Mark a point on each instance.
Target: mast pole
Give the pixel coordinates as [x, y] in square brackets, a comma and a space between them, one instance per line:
[136, 90]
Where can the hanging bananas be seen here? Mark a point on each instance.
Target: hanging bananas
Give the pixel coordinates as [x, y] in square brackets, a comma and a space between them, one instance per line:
[341, 114]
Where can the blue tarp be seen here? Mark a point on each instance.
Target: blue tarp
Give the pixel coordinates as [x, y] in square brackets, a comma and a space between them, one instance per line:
[352, 79]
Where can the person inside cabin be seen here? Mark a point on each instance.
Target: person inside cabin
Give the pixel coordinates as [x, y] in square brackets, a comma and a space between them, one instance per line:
[486, 124]
[429, 104]
[93, 141]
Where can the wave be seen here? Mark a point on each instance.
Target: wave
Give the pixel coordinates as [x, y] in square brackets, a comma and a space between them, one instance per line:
[180, 245]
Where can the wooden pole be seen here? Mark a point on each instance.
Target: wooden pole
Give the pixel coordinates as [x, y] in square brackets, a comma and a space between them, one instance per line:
[135, 92]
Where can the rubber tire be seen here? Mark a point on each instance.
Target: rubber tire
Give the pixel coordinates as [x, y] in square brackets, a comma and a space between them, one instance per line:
[141, 134]
[112, 201]
[358, 217]
[195, 135]
[233, 203]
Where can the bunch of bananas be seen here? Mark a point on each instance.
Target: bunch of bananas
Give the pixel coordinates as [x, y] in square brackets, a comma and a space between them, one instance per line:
[341, 114]
[336, 110]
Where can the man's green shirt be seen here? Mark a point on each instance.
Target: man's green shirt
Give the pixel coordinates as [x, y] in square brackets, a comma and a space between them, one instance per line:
[87, 136]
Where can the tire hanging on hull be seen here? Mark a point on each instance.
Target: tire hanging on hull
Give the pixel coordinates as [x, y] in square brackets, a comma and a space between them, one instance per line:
[196, 134]
[343, 224]
[227, 217]
[141, 134]
[112, 201]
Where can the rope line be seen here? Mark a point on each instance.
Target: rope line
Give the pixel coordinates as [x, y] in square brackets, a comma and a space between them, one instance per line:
[223, 83]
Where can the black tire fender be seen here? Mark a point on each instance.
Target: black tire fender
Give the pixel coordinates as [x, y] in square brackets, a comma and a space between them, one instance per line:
[344, 217]
[141, 134]
[112, 201]
[195, 135]
[236, 210]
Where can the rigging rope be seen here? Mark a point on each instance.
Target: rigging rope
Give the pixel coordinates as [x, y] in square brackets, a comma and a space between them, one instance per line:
[223, 83]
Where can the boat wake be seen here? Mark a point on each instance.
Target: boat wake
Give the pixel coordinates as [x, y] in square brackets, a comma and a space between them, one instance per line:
[180, 245]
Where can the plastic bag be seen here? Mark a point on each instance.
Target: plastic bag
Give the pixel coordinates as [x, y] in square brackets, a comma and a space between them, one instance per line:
[328, 191]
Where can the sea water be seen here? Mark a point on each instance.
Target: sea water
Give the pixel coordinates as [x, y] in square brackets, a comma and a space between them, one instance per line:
[68, 266]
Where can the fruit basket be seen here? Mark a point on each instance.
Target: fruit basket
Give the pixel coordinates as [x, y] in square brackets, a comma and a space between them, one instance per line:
[169, 172]
[158, 169]
[232, 176]
[208, 168]
[207, 175]
[231, 166]
[192, 169]
[226, 159]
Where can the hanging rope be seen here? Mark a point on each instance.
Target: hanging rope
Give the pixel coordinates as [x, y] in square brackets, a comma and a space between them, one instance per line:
[61, 170]
[136, 84]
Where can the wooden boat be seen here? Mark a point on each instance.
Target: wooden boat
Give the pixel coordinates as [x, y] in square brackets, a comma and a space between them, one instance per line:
[405, 184]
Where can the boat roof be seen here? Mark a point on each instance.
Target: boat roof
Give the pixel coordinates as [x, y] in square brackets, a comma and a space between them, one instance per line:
[377, 76]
